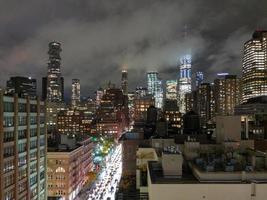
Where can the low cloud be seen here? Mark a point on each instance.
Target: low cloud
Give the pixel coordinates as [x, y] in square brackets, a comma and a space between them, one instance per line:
[98, 37]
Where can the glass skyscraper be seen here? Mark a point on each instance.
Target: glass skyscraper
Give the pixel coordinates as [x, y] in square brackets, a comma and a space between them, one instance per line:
[199, 78]
[75, 92]
[254, 72]
[171, 89]
[124, 81]
[154, 87]
[54, 83]
[185, 81]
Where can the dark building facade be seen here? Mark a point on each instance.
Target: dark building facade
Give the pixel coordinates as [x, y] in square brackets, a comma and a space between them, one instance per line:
[23, 86]
[191, 123]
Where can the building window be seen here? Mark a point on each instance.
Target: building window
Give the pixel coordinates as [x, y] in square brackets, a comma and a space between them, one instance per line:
[22, 134]
[8, 166]
[9, 180]
[8, 136]
[33, 180]
[9, 195]
[33, 132]
[33, 120]
[42, 141]
[8, 107]
[8, 121]
[22, 187]
[42, 131]
[22, 147]
[33, 108]
[33, 144]
[22, 161]
[33, 156]
[8, 151]
[22, 107]
[33, 168]
[42, 119]
[33, 192]
[22, 174]
[22, 120]
[60, 169]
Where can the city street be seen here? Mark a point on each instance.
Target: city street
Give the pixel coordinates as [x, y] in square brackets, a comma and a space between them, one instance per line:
[108, 179]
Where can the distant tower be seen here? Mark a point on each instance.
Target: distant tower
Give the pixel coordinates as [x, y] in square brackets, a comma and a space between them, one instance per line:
[99, 95]
[185, 76]
[199, 78]
[76, 92]
[54, 79]
[184, 81]
[171, 89]
[154, 87]
[124, 81]
[254, 72]
[226, 93]
[140, 91]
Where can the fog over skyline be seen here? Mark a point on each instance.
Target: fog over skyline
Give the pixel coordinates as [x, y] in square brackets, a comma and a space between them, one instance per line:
[99, 36]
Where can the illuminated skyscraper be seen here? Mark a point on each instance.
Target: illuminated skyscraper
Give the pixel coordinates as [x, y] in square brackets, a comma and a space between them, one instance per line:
[171, 89]
[254, 73]
[199, 78]
[154, 87]
[124, 81]
[184, 81]
[54, 81]
[227, 94]
[76, 92]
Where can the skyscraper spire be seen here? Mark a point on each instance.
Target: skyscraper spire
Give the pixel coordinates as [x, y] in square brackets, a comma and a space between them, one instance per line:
[185, 80]
[54, 79]
[124, 80]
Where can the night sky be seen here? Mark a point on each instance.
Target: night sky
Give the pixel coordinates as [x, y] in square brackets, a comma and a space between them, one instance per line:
[99, 36]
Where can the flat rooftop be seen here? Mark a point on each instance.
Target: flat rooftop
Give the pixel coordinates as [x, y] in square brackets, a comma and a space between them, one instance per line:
[157, 177]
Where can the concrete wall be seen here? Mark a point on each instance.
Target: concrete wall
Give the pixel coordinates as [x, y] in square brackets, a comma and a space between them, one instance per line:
[207, 191]
[228, 127]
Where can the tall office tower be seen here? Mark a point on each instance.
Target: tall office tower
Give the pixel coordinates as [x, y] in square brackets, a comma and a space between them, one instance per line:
[254, 72]
[140, 91]
[227, 94]
[44, 88]
[22, 148]
[154, 86]
[184, 81]
[124, 81]
[23, 86]
[171, 89]
[75, 93]
[172, 115]
[54, 80]
[199, 78]
[99, 94]
[204, 103]
[141, 104]
[62, 87]
[131, 96]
